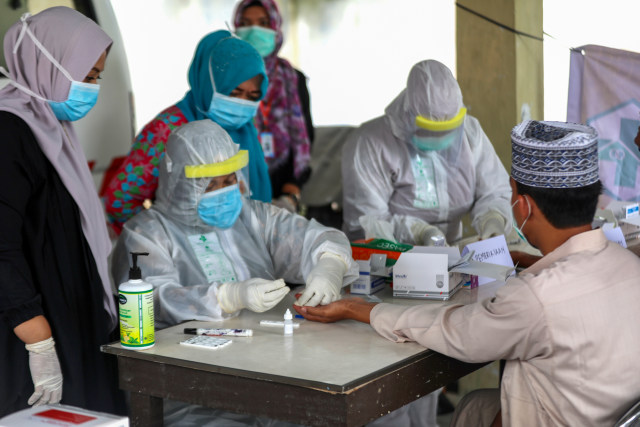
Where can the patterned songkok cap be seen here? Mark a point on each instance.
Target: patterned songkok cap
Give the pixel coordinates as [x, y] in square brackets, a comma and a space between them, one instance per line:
[554, 154]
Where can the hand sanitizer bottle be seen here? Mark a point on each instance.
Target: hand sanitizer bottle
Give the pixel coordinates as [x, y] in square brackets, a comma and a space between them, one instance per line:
[135, 298]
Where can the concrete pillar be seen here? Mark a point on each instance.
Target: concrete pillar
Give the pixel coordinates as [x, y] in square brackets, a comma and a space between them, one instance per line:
[500, 72]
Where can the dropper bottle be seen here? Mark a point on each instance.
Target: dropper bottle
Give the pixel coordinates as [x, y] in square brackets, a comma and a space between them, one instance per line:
[288, 323]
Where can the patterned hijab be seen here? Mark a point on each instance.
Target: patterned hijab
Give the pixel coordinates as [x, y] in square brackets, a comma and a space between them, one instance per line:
[76, 42]
[282, 115]
[232, 61]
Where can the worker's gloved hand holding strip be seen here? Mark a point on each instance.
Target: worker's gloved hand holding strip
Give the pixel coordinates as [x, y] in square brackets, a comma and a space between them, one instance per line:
[256, 294]
[324, 281]
[45, 372]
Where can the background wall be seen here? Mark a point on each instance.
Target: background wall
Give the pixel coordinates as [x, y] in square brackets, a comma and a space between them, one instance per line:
[500, 71]
[573, 23]
[356, 54]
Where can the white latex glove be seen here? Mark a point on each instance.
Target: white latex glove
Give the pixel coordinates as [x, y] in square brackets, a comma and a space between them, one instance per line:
[426, 234]
[45, 373]
[491, 224]
[257, 295]
[375, 228]
[324, 281]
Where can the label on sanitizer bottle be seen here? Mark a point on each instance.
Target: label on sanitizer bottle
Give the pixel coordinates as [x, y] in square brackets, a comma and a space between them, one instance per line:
[136, 319]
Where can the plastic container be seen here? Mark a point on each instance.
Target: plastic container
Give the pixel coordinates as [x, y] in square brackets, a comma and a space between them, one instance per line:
[288, 323]
[135, 298]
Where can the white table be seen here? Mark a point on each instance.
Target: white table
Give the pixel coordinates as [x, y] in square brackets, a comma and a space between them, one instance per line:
[325, 374]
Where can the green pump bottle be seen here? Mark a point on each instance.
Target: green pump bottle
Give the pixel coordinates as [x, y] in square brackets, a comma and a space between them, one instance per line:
[135, 298]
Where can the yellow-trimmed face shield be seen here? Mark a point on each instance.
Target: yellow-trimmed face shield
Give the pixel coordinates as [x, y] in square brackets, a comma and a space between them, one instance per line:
[432, 135]
[212, 170]
[437, 126]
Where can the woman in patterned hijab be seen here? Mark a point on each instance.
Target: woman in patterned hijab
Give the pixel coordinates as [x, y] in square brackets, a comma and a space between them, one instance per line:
[283, 120]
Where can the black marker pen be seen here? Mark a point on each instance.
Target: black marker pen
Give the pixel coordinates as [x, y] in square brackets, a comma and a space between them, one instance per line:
[219, 332]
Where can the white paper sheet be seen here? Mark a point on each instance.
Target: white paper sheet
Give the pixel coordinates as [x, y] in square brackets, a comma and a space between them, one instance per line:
[494, 252]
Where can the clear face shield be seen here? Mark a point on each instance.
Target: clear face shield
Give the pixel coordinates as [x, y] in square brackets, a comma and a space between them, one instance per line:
[431, 135]
[237, 164]
[220, 188]
[437, 145]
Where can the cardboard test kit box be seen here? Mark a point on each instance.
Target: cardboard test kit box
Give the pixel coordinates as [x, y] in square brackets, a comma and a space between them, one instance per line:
[62, 415]
[438, 272]
[424, 272]
[363, 249]
[375, 258]
[373, 275]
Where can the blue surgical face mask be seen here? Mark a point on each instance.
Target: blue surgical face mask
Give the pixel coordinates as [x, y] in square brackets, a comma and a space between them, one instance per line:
[81, 99]
[221, 208]
[231, 113]
[262, 39]
[519, 229]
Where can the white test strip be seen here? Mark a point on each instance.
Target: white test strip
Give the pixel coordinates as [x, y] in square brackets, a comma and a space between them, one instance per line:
[279, 323]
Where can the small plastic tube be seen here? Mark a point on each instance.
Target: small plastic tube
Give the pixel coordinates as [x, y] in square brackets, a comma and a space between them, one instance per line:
[288, 323]
[277, 323]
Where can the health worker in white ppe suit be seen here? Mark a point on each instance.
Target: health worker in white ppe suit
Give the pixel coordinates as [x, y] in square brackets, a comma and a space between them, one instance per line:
[415, 171]
[213, 252]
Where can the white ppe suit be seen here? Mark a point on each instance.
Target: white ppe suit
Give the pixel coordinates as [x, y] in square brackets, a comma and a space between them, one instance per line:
[264, 242]
[385, 176]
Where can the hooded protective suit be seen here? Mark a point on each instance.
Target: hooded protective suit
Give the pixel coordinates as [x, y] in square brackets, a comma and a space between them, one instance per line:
[264, 242]
[385, 176]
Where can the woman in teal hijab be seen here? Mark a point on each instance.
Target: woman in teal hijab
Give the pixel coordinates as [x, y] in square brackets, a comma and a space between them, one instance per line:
[227, 79]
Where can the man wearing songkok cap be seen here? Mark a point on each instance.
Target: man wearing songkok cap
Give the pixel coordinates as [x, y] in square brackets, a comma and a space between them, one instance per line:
[567, 325]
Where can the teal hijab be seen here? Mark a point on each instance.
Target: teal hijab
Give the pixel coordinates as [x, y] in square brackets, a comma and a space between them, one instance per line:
[233, 61]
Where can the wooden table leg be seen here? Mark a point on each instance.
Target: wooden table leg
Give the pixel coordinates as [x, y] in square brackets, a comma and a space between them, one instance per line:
[145, 410]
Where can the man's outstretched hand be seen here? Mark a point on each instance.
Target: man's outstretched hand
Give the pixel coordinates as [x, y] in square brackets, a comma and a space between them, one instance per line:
[349, 308]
